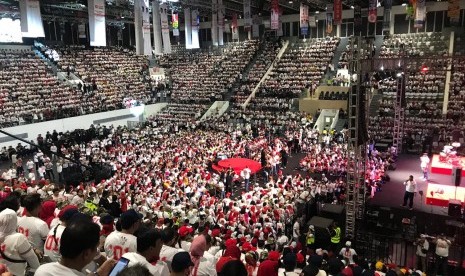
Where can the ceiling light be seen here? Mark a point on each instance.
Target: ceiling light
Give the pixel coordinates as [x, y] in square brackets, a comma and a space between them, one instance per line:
[352, 7]
[404, 4]
[290, 1]
[317, 12]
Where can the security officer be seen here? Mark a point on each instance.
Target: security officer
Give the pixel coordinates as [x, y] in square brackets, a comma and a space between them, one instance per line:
[335, 233]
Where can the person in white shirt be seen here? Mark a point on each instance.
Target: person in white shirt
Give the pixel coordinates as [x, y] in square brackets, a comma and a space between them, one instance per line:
[296, 230]
[16, 252]
[31, 225]
[424, 159]
[348, 253]
[149, 244]
[52, 242]
[119, 243]
[78, 248]
[168, 250]
[245, 174]
[410, 190]
[442, 253]
[422, 248]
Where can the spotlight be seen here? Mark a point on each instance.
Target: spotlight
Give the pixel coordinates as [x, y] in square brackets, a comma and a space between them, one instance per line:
[352, 7]
[317, 12]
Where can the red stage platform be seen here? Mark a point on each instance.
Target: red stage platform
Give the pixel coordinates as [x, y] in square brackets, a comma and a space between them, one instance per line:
[445, 167]
[238, 164]
[439, 195]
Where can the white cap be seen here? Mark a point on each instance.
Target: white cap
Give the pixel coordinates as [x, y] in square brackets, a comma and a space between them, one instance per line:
[348, 243]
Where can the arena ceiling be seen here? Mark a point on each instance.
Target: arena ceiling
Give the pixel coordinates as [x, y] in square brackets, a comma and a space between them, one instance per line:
[123, 9]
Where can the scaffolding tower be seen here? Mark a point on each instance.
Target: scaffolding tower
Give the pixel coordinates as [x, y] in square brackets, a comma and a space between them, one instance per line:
[399, 112]
[355, 199]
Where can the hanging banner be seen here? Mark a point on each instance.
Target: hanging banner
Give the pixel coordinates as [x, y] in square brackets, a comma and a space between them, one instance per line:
[256, 21]
[312, 21]
[165, 28]
[195, 29]
[97, 27]
[82, 31]
[420, 14]
[329, 18]
[279, 32]
[214, 28]
[146, 32]
[274, 15]
[274, 20]
[31, 19]
[303, 19]
[234, 27]
[175, 23]
[357, 19]
[409, 11]
[221, 12]
[387, 15]
[373, 11]
[188, 28]
[453, 11]
[337, 12]
[247, 15]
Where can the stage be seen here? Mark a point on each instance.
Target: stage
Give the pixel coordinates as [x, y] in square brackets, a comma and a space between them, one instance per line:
[445, 167]
[440, 195]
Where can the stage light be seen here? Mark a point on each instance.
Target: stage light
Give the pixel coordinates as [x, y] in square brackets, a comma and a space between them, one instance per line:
[352, 7]
[317, 12]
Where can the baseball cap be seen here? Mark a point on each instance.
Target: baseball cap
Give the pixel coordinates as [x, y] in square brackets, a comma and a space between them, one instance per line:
[181, 261]
[248, 247]
[129, 218]
[185, 230]
[348, 243]
[67, 212]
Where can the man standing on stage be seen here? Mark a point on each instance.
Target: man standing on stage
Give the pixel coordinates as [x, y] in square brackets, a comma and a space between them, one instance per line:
[424, 165]
[410, 190]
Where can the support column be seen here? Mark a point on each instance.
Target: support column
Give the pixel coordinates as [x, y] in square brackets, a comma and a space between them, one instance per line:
[195, 29]
[338, 30]
[146, 28]
[138, 28]
[188, 27]
[214, 28]
[156, 28]
[220, 22]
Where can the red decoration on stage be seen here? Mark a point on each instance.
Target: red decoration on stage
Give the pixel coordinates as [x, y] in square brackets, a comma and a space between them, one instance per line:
[439, 195]
[238, 164]
[440, 167]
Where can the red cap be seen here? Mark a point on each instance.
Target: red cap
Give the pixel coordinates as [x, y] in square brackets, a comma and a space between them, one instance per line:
[273, 256]
[230, 242]
[216, 233]
[185, 230]
[248, 247]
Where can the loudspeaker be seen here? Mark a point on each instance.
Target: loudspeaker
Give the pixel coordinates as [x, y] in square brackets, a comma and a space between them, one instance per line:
[335, 212]
[321, 225]
[455, 208]
[456, 176]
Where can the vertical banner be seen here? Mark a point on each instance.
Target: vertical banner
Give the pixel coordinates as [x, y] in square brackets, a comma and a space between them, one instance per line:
[453, 11]
[357, 19]
[303, 19]
[175, 23]
[420, 14]
[82, 31]
[274, 20]
[146, 28]
[312, 21]
[97, 27]
[410, 10]
[329, 18]
[337, 12]
[372, 11]
[195, 29]
[188, 27]
[157, 30]
[247, 15]
[387, 15]
[165, 28]
[256, 25]
[234, 27]
[214, 28]
[274, 15]
[31, 19]
[279, 32]
[220, 22]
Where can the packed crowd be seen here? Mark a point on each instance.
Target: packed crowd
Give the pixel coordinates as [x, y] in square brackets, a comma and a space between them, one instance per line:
[204, 77]
[114, 73]
[29, 92]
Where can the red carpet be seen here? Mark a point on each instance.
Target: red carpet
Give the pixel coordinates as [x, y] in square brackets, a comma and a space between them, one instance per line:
[439, 195]
[445, 167]
[238, 164]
